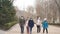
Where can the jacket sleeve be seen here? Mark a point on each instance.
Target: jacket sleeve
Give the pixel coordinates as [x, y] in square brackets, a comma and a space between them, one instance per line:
[28, 22]
[33, 23]
[47, 24]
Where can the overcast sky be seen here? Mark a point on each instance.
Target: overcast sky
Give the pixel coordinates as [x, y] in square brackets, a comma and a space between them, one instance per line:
[21, 4]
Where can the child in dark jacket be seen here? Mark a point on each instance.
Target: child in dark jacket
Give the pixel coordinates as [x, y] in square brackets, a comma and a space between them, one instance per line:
[45, 25]
[31, 25]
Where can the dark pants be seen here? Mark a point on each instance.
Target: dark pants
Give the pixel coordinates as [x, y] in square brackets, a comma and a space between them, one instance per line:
[22, 29]
[38, 28]
[45, 29]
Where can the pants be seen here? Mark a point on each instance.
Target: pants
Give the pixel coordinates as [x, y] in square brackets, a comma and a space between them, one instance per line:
[22, 29]
[45, 29]
[38, 28]
[30, 30]
[27, 29]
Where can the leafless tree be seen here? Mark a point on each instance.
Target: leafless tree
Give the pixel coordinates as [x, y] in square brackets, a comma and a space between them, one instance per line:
[49, 9]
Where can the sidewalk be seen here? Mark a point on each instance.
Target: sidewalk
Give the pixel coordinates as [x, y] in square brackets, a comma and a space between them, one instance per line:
[16, 30]
[2, 32]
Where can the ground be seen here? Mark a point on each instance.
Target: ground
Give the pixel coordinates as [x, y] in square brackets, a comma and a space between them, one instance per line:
[16, 30]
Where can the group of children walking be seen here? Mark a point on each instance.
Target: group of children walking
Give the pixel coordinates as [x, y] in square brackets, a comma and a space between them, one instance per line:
[30, 24]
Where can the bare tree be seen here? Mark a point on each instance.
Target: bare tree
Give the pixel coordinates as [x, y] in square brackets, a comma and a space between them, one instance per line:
[49, 9]
[58, 5]
[30, 9]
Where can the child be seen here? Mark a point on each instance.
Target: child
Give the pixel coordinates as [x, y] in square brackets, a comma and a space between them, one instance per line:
[45, 25]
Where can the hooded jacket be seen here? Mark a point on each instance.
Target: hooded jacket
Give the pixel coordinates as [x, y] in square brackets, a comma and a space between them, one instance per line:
[45, 24]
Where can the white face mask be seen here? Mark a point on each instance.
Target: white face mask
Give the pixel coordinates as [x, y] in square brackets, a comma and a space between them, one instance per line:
[39, 17]
[21, 17]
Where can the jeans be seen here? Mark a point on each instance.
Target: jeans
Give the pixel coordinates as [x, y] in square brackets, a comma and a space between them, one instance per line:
[30, 30]
[22, 29]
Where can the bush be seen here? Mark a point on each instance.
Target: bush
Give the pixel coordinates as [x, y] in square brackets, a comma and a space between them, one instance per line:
[7, 13]
[8, 25]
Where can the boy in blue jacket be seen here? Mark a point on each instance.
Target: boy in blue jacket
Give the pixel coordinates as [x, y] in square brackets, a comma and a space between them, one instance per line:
[45, 25]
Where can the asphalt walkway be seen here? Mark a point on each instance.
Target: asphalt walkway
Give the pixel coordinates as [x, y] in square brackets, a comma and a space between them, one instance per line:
[16, 30]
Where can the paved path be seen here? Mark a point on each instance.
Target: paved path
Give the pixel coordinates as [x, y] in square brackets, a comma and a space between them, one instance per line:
[16, 30]
[2, 32]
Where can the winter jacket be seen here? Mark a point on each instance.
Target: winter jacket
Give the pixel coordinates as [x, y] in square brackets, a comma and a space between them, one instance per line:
[21, 22]
[27, 23]
[38, 22]
[45, 24]
[31, 23]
